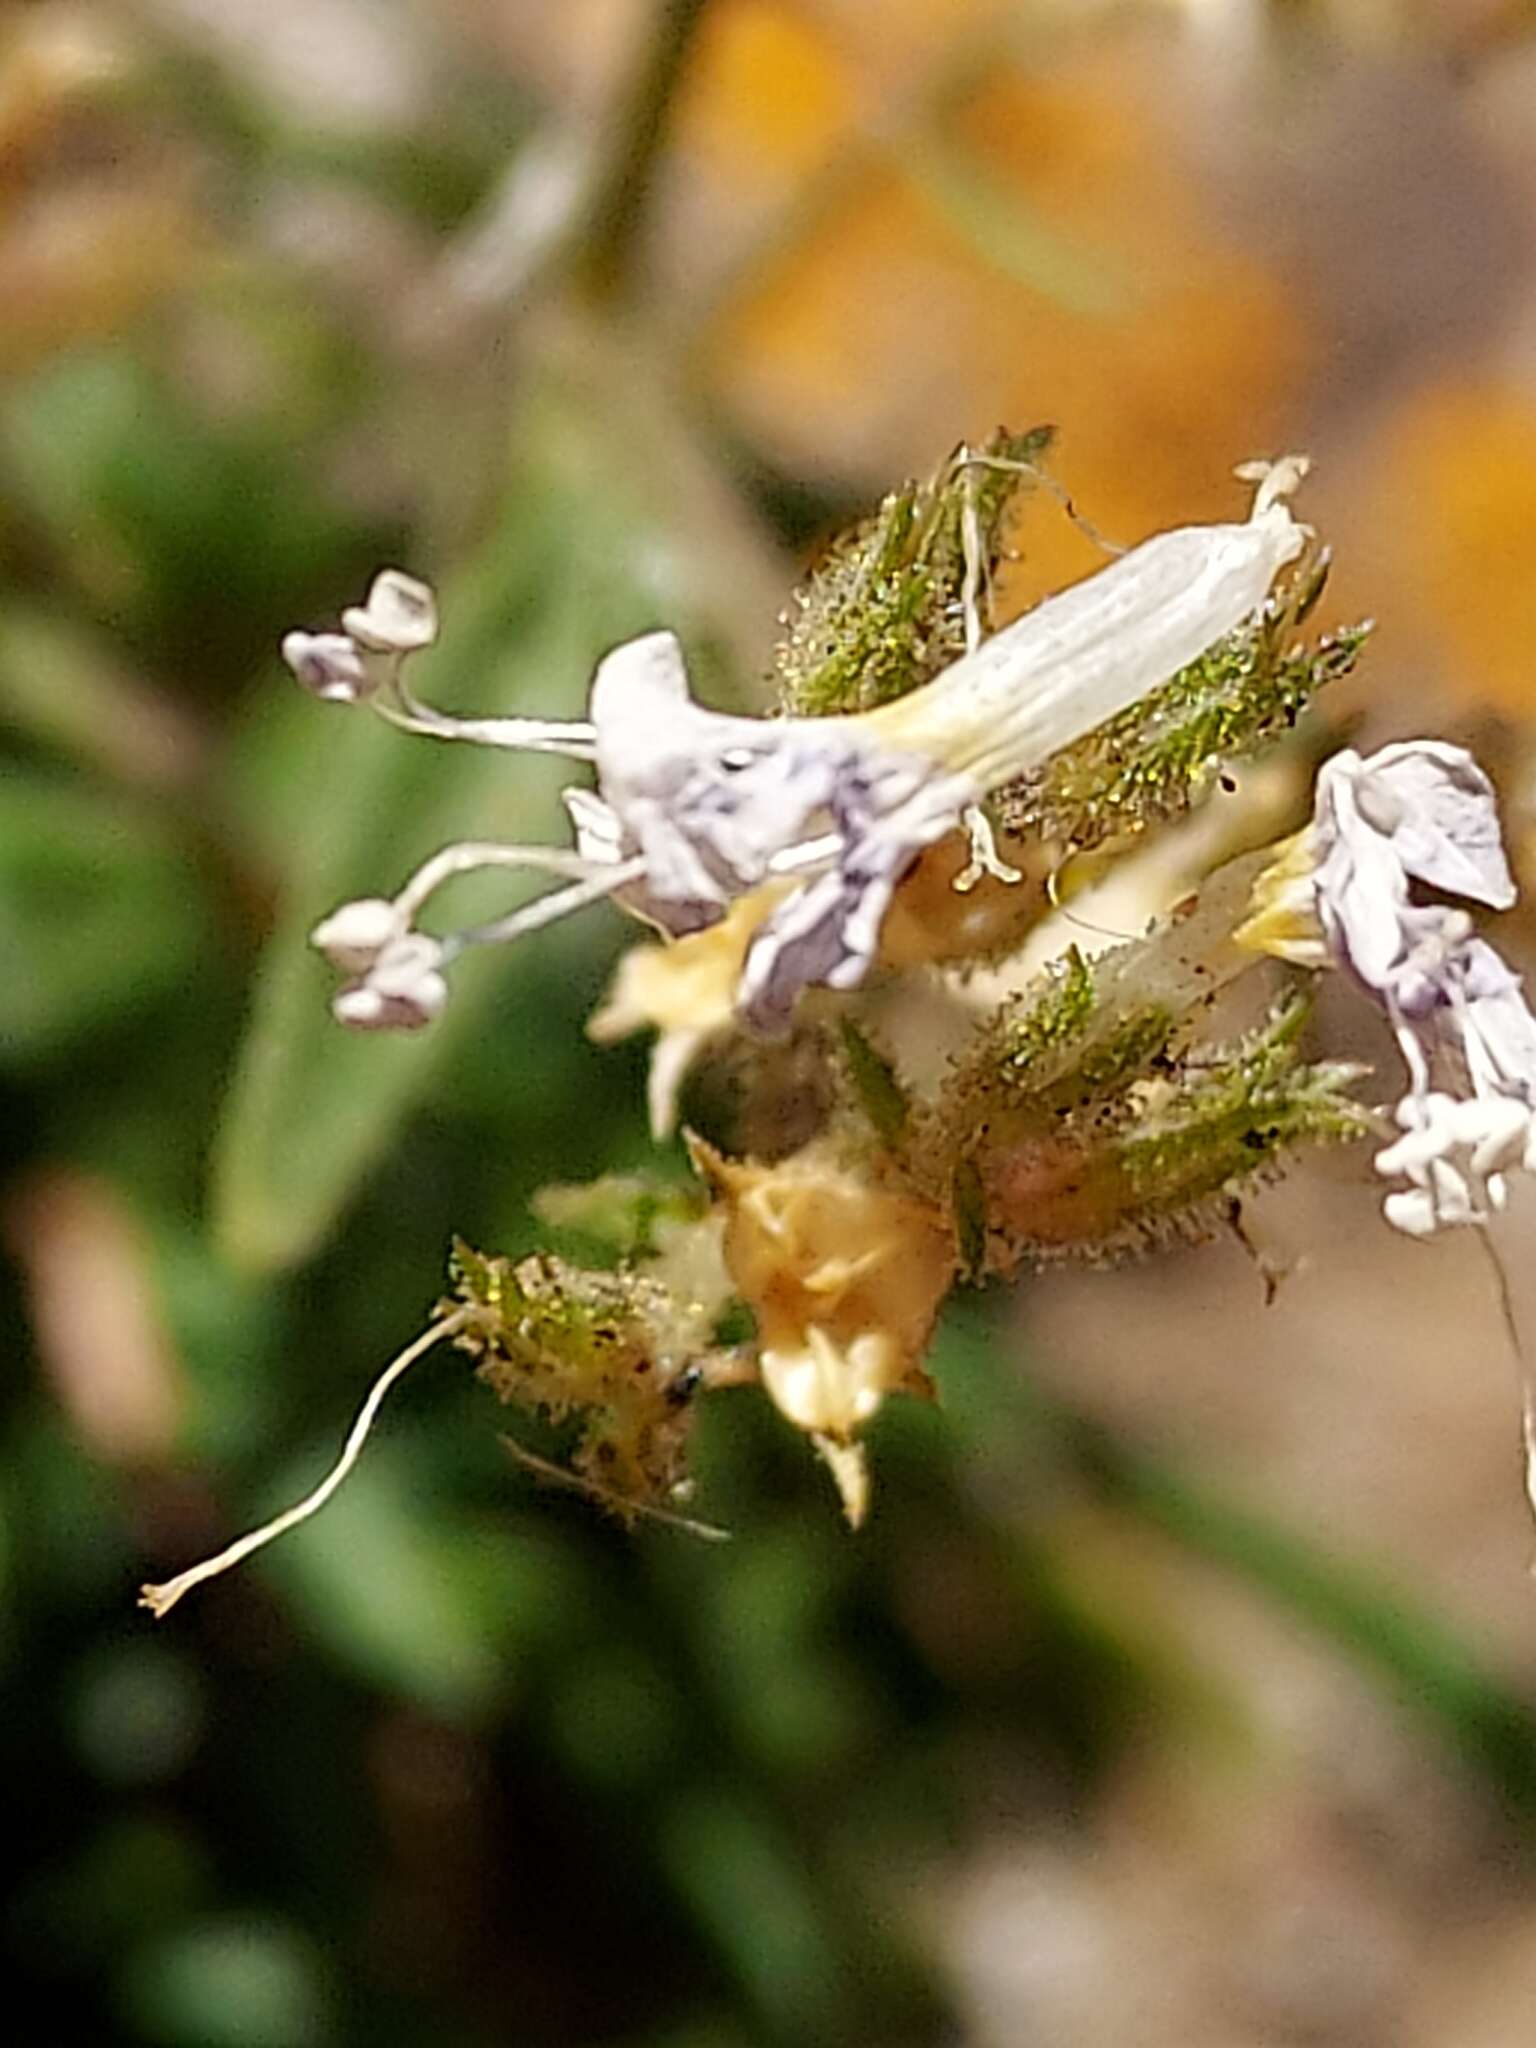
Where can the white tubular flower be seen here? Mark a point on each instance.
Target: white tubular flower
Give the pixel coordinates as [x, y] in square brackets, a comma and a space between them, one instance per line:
[1424, 812]
[714, 803]
[695, 809]
[1090, 652]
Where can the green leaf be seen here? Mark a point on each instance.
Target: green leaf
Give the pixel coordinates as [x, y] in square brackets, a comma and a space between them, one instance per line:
[875, 1085]
[397, 1591]
[66, 688]
[101, 914]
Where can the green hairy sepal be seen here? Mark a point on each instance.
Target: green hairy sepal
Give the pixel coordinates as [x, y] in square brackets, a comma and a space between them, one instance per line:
[617, 1355]
[884, 611]
[1230, 1110]
[1149, 765]
[1089, 1117]
[1147, 1147]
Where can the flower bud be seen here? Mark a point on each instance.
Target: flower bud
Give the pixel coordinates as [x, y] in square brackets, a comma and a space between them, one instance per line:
[402, 991]
[329, 666]
[400, 616]
[353, 937]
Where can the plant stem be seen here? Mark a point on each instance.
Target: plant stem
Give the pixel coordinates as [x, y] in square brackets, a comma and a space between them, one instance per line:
[606, 259]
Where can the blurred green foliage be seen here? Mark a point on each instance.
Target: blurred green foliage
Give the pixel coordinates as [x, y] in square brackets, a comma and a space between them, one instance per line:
[463, 1763]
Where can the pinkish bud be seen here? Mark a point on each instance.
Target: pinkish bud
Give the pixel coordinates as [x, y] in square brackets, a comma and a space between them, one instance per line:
[329, 666]
[402, 991]
[353, 937]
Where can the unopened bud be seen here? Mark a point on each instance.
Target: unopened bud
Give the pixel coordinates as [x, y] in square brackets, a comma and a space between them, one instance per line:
[402, 991]
[400, 616]
[362, 1008]
[329, 666]
[353, 937]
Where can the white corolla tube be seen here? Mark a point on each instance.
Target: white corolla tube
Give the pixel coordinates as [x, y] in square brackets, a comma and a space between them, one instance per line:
[1090, 652]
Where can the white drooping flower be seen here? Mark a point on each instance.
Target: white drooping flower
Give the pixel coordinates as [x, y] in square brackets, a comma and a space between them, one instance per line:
[1420, 811]
[1421, 814]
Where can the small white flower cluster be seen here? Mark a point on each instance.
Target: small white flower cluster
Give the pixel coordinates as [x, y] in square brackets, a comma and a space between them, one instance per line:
[1423, 812]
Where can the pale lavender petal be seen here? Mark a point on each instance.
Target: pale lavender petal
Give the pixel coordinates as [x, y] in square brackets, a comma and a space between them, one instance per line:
[825, 936]
[1440, 812]
[1434, 939]
[828, 933]
[1499, 1017]
[1361, 888]
[711, 802]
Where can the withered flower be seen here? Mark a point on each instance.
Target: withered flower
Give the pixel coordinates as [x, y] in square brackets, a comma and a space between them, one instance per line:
[845, 1277]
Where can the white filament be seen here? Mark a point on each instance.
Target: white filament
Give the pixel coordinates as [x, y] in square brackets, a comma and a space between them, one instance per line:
[161, 1599]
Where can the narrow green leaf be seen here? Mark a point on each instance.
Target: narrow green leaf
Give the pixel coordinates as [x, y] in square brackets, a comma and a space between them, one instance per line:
[395, 1589]
[64, 687]
[100, 915]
